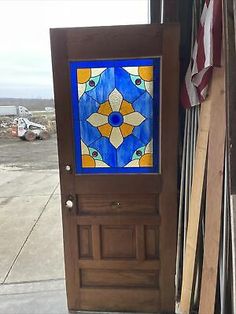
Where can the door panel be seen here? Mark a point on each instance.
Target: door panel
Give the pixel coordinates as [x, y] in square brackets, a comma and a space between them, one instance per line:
[148, 184]
[120, 230]
[118, 204]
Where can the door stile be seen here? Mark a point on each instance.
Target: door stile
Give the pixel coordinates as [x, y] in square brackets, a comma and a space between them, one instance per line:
[168, 196]
[65, 151]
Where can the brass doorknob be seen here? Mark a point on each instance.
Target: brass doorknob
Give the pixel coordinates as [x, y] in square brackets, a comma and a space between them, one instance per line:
[69, 204]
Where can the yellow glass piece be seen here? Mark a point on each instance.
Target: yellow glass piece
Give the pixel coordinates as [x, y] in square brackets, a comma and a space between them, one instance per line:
[105, 130]
[88, 161]
[105, 108]
[126, 129]
[126, 108]
[83, 75]
[146, 160]
[146, 73]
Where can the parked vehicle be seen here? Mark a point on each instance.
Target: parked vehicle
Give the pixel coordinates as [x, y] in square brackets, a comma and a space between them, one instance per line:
[30, 131]
[18, 111]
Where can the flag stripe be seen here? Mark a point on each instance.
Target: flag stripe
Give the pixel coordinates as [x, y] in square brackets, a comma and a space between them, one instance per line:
[206, 55]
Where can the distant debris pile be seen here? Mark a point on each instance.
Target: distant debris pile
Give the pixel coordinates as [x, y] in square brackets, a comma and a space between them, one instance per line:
[6, 127]
[7, 123]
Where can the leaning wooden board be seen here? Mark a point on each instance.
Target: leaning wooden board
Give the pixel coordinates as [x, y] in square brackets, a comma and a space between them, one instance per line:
[214, 194]
[216, 96]
[229, 20]
[195, 207]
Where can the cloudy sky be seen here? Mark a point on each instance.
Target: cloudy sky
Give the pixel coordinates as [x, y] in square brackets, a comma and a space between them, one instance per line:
[25, 64]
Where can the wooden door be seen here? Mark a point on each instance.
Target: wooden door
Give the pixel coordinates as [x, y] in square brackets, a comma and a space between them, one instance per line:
[116, 96]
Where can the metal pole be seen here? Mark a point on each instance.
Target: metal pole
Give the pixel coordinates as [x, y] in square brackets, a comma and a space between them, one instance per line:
[198, 259]
[186, 194]
[192, 110]
[224, 246]
[179, 257]
[233, 244]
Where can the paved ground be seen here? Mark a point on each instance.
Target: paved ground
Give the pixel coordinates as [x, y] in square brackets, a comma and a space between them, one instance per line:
[38, 155]
[31, 249]
[34, 298]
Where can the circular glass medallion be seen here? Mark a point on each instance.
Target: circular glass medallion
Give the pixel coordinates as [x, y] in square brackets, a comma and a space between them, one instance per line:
[115, 119]
[139, 153]
[91, 83]
[138, 82]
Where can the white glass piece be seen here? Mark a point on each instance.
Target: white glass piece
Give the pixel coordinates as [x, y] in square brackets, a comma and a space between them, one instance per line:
[81, 89]
[115, 99]
[116, 137]
[133, 163]
[149, 87]
[134, 118]
[84, 149]
[131, 70]
[97, 119]
[97, 71]
[149, 148]
[101, 164]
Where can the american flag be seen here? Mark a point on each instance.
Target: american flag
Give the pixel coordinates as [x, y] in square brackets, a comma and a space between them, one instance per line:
[206, 55]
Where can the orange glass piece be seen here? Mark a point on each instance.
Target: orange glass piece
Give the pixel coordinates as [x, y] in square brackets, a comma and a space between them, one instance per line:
[126, 108]
[126, 129]
[146, 160]
[146, 73]
[83, 75]
[88, 161]
[105, 108]
[105, 130]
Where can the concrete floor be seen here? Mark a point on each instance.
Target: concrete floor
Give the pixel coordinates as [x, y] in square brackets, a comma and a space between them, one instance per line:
[45, 297]
[31, 242]
[30, 227]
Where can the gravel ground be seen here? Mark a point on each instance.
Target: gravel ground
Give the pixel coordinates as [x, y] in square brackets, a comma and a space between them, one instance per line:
[16, 154]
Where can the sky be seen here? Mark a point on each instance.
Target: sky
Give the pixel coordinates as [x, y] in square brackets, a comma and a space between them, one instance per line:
[25, 59]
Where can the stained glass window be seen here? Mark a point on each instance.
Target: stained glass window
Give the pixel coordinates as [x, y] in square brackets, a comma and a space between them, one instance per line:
[116, 115]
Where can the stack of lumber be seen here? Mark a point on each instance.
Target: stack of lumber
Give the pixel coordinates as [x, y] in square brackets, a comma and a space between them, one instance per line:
[209, 163]
[206, 254]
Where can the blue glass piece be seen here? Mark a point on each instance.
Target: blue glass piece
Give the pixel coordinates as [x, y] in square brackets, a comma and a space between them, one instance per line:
[144, 105]
[126, 150]
[125, 85]
[137, 81]
[104, 87]
[144, 132]
[87, 106]
[95, 154]
[88, 133]
[115, 119]
[138, 153]
[92, 83]
[115, 63]
[107, 151]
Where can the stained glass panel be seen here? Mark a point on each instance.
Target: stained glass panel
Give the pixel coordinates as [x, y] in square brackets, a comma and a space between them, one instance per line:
[116, 115]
